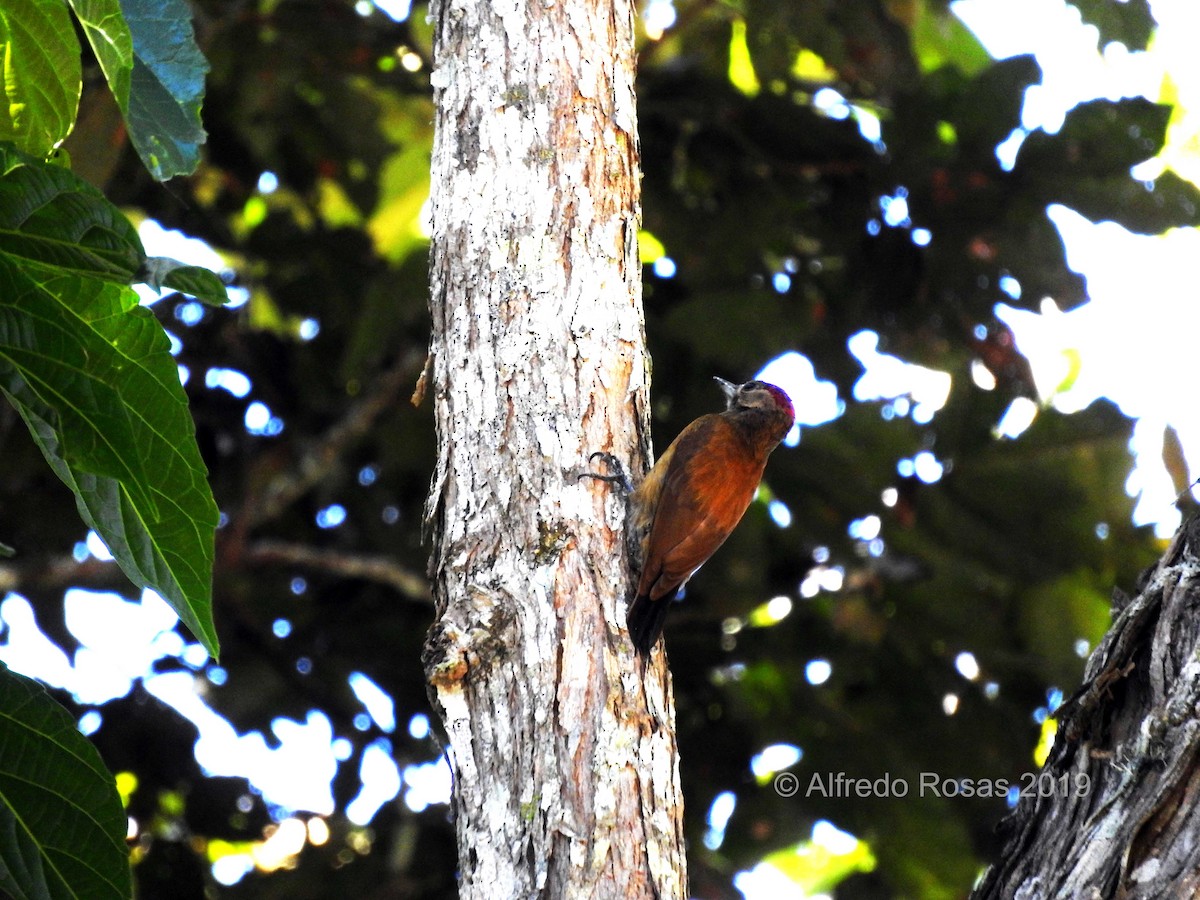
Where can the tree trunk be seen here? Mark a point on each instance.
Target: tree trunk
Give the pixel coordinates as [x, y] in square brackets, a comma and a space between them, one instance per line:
[1115, 811]
[566, 779]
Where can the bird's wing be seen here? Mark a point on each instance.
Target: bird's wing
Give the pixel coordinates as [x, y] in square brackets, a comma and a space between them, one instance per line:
[703, 498]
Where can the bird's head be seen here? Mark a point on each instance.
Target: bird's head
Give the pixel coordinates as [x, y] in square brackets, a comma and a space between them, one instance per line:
[756, 395]
[758, 399]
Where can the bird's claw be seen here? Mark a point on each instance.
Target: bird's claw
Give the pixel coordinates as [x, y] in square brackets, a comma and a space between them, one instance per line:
[618, 478]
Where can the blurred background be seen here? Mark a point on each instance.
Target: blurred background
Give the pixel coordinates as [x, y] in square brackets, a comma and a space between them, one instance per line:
[960, 235]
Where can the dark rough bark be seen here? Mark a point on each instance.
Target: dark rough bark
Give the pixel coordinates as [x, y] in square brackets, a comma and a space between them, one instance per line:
[1121, 817]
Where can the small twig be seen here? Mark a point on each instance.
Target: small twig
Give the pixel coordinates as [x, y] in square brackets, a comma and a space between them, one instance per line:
[418, 394]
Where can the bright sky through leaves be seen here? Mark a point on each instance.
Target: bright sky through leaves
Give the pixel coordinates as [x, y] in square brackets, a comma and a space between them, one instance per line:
[1133, 342]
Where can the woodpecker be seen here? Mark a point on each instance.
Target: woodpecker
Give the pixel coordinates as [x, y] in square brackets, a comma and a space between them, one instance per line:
[696, 494]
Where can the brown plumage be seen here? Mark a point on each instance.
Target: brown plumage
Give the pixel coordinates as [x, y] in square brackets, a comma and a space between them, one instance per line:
[696, 494]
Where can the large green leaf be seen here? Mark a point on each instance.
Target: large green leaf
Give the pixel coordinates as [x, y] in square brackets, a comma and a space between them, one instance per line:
[111, 41]
[91, 373]
[49, 216]
[40, 74]
[58, 364]
[167, 87]
[1086, 167]
[62, 828]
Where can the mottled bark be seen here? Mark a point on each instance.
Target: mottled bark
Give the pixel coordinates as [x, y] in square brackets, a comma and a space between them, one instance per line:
[1120, 816]
[563, 748]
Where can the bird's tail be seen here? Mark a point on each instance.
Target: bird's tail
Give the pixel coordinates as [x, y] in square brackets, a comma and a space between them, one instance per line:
[645, 618]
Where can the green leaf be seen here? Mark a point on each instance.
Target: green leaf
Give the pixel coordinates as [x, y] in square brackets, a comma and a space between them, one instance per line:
[50, 216]
[939, 38]
[62, 827]
[56, 362]
[167, 87]
[989, 107]
[1129, 22]
[1100, 137]
[196, 281]
[1143, 207]
[1086, 167]
[40, 74]
[815, 868]
[395, 225]
[111, 41]
[91, 374]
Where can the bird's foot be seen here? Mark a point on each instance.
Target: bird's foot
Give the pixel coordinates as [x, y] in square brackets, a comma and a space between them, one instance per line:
[618, 478]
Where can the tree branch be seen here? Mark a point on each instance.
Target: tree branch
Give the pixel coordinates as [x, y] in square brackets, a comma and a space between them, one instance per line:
[1115, 812]
[60, 572]
[381, 569]
[317, 460]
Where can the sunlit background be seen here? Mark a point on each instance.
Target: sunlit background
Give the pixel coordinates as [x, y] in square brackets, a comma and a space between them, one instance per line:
[1132, 343]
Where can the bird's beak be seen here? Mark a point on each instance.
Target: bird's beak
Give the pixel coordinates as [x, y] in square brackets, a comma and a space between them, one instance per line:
[728, 387]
